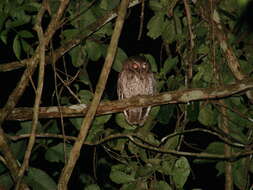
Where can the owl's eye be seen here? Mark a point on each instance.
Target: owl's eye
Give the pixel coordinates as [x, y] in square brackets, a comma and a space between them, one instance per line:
[144, 66]
[135, 66]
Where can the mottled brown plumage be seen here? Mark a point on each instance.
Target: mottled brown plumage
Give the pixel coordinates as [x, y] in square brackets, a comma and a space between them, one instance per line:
[136, 78]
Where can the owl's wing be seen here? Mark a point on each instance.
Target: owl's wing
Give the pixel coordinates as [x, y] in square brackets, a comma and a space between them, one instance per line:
[119, 87]
[152, 85]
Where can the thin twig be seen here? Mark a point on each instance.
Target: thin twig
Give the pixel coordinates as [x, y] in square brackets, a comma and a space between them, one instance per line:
[189, 61]
[141, 19]
[146, 145]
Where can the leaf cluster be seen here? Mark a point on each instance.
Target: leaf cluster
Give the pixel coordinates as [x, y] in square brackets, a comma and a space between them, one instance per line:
[120, 163]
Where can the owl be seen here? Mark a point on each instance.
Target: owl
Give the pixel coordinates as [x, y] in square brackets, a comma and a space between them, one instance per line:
[136, 78]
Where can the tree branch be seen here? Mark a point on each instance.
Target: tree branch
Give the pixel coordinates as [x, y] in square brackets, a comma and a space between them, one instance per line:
[141, 142]
[108, 107]
[231, 58]
[35, 119]
[75, 151]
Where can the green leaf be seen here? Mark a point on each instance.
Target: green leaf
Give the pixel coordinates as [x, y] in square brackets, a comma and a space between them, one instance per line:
[17, 47]
[120, 120]
[181, 172]
[203, 49]
[86, 179]
[169, 64]
[39, 180]
[2, 19]
[26, 128]
[16, 23]
[108, 4]
[119, 59]
[120, 177]
[25, 34]
[155, 5]
[155, 26]
[162, 185]
[18, 148]
[119, 144]
[78, 56]
[167, 166]
[193, 111]
[178, 23]
[100, 120]
[85, 96]
[168, 33]
[56, 153]
[251, 166]
[92, 187]
[84, 76]
[69, 33]
[95, 133]
[27, 47]
[2, 168]
[4, 36]
[136, 150]
[32, 6]
[93, 50]
[105, 31]
[6, 181]
[85, 19]
[53, 127]
[215, 148]
[77, 122]
[212, 148]
[152, 61]
[165, 113]
[145, 171]
[220, 166]
[240, 174]
[129, 186]
[208, 116]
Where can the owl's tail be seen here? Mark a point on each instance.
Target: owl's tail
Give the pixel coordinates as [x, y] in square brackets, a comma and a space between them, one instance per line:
[134, 116]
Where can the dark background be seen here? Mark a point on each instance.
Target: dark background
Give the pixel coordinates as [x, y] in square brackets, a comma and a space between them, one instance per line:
[202, 176]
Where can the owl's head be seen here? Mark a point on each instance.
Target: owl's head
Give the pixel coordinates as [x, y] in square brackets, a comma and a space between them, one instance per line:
[137, 64]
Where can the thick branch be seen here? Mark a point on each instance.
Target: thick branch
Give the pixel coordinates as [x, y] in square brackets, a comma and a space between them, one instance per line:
[231, 58]
[31, 141]
[108, 107]
[75, 151]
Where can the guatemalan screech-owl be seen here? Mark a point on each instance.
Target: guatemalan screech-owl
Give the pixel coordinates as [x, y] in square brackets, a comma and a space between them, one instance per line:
[136, 78]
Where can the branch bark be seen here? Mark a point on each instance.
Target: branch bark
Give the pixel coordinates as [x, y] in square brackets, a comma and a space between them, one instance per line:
[108, 107]
[140, 141]
[231, 58]
[35, 119]
[227, 150]
[75, 151]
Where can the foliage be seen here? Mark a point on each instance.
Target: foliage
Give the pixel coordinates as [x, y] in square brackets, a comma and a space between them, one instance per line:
[121, 163]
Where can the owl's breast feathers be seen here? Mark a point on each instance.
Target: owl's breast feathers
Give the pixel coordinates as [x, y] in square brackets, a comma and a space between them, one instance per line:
[137, 84]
